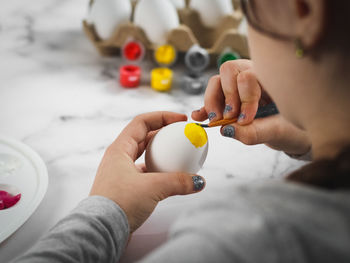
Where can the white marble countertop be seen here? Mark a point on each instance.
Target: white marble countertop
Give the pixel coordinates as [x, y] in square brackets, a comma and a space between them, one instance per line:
[61, 98]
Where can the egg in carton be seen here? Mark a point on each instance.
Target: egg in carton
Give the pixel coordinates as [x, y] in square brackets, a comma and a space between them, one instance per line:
[190, 31]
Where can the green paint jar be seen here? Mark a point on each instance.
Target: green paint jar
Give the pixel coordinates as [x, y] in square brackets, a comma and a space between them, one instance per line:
[227, 55]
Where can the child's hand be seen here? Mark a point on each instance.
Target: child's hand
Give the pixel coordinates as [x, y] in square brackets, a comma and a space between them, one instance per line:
[236, 92]
[136, 192]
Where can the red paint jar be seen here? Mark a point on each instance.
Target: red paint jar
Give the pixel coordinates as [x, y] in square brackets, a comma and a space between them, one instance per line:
[130, 76]
[133, 51]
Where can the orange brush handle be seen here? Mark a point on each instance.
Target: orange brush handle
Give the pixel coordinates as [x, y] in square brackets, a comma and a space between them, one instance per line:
[222, 122]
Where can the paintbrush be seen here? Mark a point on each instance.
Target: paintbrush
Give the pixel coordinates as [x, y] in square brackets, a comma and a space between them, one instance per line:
[263, 111]
[218, 123]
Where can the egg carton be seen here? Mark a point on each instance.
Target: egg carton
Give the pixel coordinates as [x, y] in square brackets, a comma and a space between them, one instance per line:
[190, 32]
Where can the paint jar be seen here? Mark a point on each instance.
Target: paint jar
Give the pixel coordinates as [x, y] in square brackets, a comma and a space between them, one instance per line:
[161, 79]
[130, 76]
[165, 55]
[193, 84]
[227, 55]
[133, 51]
[197, 59]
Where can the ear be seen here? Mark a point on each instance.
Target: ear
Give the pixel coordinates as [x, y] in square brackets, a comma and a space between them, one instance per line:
[310, 16]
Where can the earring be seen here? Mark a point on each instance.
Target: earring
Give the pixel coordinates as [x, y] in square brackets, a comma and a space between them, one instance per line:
[299, 49]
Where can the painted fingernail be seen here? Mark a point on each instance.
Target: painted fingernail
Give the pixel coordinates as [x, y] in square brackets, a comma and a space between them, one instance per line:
[229, 131]
[241, 117]
[211, 115]
[198, 183]
[228, 108]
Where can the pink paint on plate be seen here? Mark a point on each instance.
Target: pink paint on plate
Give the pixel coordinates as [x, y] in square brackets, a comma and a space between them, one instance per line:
[8, 200]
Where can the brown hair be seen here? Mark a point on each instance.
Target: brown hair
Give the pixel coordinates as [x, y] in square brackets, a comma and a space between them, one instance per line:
[329, 174]
[337, 37]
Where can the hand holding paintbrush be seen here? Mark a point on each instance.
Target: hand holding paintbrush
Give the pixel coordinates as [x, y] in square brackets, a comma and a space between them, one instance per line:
[264, 111]
[239, 91]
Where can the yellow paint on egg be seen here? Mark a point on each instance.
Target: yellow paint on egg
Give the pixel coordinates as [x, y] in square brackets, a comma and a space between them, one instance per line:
[196, 134]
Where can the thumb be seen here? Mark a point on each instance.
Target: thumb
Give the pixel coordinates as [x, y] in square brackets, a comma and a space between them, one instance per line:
[259, 131]
[169, 184]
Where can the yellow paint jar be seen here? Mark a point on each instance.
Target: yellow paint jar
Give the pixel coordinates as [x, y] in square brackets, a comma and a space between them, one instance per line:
[165, 55]
[161, 79]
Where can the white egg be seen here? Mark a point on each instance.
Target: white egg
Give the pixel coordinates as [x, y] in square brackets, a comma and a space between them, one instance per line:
[243, 27]
[157, 18]
[211, 11]
[179, 4]
[178, 147]
[107, 15]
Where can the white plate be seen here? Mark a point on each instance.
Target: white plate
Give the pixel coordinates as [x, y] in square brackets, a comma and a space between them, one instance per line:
[21, 171]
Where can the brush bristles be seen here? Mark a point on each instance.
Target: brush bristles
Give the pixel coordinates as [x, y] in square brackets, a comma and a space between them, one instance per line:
[203, 125]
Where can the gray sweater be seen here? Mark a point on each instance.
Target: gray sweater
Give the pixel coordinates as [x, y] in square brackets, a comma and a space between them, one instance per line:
[265, 222]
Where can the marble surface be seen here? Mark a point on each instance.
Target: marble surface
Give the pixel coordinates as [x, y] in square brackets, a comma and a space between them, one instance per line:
[58, 96]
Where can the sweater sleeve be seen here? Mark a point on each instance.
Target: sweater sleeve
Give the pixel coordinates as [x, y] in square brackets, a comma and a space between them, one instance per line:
[265, 222]
[237, 225]
[95, 231]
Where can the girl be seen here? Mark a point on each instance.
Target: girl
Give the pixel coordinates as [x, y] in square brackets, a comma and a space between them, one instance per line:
[299, 51]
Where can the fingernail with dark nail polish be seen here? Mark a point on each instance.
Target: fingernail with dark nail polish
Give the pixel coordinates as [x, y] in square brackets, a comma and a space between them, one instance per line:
[241, 117]
[229, 131]
[198, 183]
[228, 108]
[211, 115]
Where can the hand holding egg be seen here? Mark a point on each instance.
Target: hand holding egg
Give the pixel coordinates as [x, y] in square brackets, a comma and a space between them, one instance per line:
[137, 192]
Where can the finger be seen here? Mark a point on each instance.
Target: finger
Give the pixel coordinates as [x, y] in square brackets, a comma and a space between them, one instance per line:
[141, 167]
[143, 144]
[249, 92]
[200, 115]
[275, 131]
[214, 99]
[137, 130]
[149, 136]
[259, 131]
[169, 184]
[229, 72]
